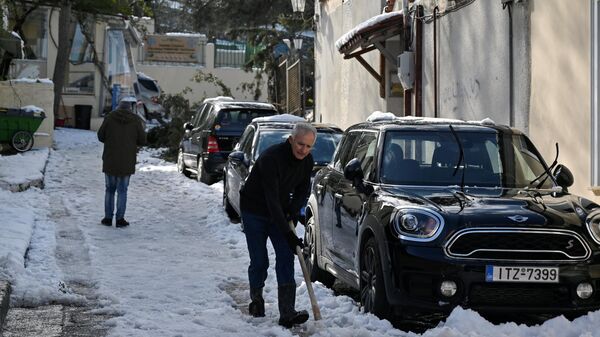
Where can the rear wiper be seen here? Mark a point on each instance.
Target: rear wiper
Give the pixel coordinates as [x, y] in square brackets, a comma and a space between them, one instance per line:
[461, 159]
[546, 172]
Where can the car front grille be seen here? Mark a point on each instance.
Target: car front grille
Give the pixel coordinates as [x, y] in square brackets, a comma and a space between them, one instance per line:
[515, 294]
[517, 244]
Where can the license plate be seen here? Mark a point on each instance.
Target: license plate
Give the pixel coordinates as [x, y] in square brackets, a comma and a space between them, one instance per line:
[521, 274]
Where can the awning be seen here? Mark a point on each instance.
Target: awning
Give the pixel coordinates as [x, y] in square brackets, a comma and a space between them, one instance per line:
[370, 35]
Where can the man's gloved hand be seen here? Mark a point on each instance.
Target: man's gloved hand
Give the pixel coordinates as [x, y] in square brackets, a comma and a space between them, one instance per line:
[293, 241]
[295, 218]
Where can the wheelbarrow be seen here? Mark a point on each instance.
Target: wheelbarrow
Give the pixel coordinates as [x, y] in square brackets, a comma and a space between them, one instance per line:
[17, 127]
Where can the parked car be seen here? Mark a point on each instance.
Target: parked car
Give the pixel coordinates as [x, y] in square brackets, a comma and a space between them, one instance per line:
[258, 136]
[148, 92]
[423, 215]
[211, 134]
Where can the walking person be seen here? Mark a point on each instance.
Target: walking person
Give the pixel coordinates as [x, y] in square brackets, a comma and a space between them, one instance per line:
[273, 194]
[122, 132]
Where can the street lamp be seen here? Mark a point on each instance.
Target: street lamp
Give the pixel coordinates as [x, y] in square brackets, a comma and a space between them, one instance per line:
[298, 5]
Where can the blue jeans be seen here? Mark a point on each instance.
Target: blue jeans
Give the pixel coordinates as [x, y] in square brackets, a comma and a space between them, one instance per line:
[257, 230]
[119, 185]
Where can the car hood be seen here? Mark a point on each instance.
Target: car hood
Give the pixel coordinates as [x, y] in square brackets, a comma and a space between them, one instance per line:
[497, 207]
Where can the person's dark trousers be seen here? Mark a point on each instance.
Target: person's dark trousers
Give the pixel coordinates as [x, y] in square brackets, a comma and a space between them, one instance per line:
[119, 185]
[257, 230]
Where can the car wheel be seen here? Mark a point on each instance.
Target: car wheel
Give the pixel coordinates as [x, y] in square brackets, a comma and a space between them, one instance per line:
[181, 165]
[201, 175]
[310, 255]
[229, 210]
[372, 288]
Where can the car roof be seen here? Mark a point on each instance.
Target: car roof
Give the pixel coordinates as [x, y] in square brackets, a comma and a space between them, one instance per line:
[226, 102]
[431, 124]
[275, 125]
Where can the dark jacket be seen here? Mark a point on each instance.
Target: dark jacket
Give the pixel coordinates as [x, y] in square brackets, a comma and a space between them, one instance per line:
[121, 132]
[278, 185]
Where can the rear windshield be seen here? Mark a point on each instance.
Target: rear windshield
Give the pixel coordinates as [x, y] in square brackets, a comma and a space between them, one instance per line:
[148, 84]
[237, 120]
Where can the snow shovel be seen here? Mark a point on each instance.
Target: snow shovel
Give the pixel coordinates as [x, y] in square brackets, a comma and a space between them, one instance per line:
[311, 293]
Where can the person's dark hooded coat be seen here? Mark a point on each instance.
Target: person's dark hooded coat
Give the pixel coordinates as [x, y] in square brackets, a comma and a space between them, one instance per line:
[121, 132]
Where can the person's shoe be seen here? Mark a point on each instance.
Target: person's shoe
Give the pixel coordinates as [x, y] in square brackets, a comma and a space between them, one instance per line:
[106, 222]
[122, 223]
[288, 316]
[257, 306]
[298, 317]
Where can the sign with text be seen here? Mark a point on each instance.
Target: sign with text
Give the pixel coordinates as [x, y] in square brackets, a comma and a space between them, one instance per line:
[165, 48]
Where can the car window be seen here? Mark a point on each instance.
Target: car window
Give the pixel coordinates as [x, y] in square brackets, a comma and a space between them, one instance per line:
[268, 138]
[245, 138]
[246, 147]
[344, 151]
[364, 151]
[238, 119]
[527, 163]
[196, 120]
[325, 146]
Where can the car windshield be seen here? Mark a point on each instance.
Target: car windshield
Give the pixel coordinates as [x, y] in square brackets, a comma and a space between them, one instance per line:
[321, 152]
[237, 120]
[431, 158]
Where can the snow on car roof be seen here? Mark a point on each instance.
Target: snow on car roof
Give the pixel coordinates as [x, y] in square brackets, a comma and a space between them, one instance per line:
[378, 116]
[283, 118]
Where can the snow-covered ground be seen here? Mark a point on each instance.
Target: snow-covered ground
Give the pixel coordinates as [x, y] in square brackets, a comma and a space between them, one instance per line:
[180, 269]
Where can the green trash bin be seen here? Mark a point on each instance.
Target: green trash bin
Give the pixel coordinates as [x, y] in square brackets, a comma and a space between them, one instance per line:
[17, 127]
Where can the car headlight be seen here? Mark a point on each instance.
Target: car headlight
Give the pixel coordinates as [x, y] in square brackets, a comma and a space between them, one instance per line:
[593, 226]
[417, 224]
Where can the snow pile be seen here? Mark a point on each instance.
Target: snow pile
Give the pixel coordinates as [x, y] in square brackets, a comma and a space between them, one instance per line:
[22, 167]
[283, 118]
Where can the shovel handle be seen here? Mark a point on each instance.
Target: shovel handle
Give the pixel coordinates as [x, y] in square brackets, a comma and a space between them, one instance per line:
[311, 292]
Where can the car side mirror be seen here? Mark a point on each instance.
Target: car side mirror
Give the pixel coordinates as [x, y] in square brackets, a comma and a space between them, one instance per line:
[353, 172]
[564, 177]
[187, 126]
[238, 157]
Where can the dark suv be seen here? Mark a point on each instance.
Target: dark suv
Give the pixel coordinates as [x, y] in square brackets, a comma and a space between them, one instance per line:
[261, 134]
[211, 134]
[423, 215]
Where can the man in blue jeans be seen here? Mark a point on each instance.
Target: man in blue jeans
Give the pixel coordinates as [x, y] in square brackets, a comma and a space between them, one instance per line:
[273, 194]
[122, 132]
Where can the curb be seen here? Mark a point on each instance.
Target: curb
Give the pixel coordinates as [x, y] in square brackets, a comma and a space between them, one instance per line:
[4, 301]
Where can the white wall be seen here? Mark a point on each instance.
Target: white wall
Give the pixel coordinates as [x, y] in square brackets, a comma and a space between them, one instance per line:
[345, 93]
[473, 65]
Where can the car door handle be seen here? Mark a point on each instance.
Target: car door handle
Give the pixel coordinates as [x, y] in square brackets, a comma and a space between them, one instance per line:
[337, 195]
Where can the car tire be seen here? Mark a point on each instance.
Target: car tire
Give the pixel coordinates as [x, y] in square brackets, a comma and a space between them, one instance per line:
[310, 255]
[181, 165]
[201, 175]
[372, 288]
[229, 210]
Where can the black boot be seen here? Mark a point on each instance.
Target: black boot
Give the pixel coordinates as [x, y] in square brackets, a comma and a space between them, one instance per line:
[257, 306]
[288, 316]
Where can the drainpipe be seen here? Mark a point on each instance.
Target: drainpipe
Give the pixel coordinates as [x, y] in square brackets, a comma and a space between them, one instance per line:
[405, 22]
[419, 62]
[507, 4]
[436, 11]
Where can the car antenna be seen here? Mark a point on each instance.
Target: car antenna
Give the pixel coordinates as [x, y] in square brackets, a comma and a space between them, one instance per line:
[546, 171]
[461, 159]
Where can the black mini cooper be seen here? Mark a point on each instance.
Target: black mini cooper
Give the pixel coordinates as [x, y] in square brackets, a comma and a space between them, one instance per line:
[423, 215]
